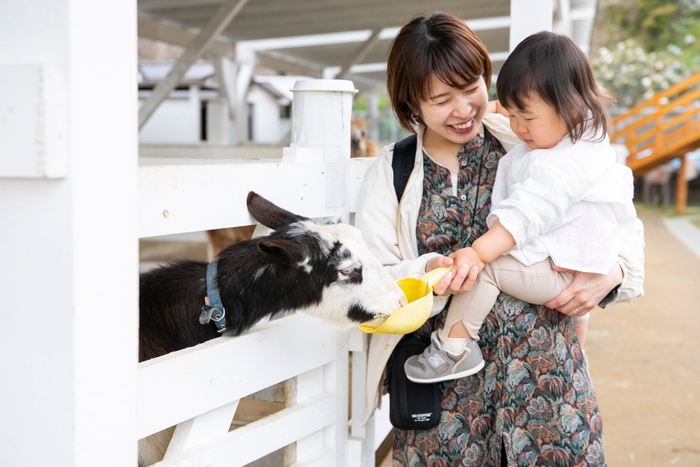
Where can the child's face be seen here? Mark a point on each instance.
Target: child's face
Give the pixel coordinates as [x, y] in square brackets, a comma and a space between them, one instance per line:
[538, 125]
[453, 115]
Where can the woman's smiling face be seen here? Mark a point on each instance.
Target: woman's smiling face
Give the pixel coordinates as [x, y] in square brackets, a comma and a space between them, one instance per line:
[453, 115]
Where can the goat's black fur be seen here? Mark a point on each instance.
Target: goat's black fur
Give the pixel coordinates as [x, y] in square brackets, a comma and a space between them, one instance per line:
[172, 296]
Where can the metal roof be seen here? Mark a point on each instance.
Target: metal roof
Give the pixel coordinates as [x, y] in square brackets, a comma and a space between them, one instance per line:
[322, 37]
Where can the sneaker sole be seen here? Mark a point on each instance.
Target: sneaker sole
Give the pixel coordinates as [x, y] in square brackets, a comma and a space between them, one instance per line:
[449, 377]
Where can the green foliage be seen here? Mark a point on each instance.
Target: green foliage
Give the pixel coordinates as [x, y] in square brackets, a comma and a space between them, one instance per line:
[634, 75]
[361, 106]
[656, 24]
[653, 44]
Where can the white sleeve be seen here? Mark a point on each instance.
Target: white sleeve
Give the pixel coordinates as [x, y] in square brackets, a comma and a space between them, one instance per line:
[500, 184]
[499, 126]
[376, 217]
[555, 183]
[631, 260]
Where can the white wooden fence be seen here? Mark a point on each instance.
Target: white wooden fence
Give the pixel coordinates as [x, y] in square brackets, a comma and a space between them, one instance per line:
[199, 389]
[71, 394]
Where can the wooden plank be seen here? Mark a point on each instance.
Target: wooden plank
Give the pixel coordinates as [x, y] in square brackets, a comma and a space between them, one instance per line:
[321, 458]
[201, 429]
[164, 154]
[681, 187]
[178, 198]
[184, 384]
[356, 175]
[267, 435]
[33, 121]
[671, 91]
[190, 198]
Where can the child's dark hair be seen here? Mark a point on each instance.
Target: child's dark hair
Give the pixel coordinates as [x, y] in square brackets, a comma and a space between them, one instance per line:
[441, 45]
[553, 67]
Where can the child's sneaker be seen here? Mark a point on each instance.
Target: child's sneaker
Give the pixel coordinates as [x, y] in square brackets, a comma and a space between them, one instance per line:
[436, 364]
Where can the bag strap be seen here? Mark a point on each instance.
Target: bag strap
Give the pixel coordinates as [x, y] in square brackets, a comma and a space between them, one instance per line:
[402, 163]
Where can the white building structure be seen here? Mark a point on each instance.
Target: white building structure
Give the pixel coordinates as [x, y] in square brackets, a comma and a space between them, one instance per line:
[74, 202]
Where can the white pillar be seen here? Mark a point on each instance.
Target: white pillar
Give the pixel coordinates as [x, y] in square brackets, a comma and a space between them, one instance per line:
[239, 75]
[528, 17]
[321, 119]
[562, 18]
[69, 255]
[321, 113]
[194, 113]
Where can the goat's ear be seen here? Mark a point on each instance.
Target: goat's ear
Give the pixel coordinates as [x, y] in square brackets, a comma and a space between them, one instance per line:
[282, 248]
[268, 214]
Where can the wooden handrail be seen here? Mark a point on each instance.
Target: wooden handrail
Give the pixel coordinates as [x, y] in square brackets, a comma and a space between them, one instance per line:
[660, 128]
[677, 88]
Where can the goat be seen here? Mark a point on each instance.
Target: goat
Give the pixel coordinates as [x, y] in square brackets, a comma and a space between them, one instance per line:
[324, 270]
[360, 146]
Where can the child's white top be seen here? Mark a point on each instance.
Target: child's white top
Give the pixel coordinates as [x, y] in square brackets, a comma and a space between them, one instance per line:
[572, 203]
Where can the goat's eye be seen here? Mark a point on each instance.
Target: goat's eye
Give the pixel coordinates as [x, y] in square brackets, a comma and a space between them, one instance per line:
[347, 271]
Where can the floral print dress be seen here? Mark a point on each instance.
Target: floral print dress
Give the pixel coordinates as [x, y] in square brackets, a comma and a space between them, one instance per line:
[534, 394]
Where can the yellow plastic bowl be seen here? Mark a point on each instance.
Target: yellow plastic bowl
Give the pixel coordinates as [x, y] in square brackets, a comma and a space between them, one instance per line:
[408, 318]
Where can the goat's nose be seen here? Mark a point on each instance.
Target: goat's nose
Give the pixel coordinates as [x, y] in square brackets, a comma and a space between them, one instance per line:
[403, 301]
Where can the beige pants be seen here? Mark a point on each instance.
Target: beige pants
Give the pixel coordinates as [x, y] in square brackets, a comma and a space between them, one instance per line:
[536, 284]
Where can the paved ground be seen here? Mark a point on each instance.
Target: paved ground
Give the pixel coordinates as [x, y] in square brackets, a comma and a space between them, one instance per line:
[645, 359]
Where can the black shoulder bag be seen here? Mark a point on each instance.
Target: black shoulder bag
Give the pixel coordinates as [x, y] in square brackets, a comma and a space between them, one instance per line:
[412, 406]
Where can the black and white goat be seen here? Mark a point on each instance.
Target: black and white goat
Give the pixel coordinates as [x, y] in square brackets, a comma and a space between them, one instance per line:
[325, 270]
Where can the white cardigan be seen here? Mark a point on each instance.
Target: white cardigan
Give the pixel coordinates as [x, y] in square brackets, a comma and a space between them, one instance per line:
[389, 229]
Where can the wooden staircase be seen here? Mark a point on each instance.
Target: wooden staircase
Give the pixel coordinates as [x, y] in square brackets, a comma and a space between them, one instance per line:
[661, 129]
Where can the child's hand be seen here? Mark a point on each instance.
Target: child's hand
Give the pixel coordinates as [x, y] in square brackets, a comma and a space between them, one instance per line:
[466, 256]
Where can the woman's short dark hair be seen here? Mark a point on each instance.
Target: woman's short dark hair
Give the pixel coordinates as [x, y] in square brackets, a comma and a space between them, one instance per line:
[440, 45]
[553, 67]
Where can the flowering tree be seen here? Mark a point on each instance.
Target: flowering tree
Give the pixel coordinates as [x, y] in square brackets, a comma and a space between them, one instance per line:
[634, 75]
[644, 46]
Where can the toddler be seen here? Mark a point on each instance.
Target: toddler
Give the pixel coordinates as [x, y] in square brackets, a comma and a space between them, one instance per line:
[560, 198]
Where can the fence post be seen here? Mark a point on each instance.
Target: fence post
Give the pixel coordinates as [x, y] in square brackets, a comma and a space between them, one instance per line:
[69, 255]
[321, 119]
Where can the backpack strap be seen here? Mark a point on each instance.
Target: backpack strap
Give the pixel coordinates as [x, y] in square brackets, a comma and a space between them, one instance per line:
[402, 163]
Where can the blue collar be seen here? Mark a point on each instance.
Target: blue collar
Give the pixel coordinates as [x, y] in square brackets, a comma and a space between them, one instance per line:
[213, 310]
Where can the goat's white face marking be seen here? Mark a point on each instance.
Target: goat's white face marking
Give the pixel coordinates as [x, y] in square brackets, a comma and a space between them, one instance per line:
[305, 265]
[362, 283]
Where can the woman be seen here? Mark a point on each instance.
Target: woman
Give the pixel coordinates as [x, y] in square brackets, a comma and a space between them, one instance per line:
[533, 404]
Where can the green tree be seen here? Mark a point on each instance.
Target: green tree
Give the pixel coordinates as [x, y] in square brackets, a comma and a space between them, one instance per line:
[633, 74]
[656, 25]
[644, 46]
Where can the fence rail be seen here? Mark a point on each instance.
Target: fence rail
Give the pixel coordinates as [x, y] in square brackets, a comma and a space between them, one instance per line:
[198, 389]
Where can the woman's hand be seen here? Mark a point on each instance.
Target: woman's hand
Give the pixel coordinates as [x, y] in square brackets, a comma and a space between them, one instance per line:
[585, 292]
[495, 107]
[454, 281]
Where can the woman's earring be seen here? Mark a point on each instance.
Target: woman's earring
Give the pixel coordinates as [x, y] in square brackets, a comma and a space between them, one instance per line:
[414, 117]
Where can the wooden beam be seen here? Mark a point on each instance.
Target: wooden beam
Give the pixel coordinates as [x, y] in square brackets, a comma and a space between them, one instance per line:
[170, 4]
[361, 53]
[158, 31]
[223, 87]
[293, 67]
[216, 25]
[681, 187]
